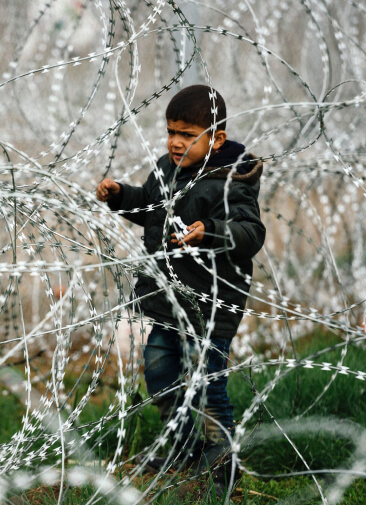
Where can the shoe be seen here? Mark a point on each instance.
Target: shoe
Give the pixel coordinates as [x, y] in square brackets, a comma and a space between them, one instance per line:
[220, 489]
[155, 464]
[216, 459]
[212, 455]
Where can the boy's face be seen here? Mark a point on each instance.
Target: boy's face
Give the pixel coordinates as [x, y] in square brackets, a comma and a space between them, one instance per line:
[181, 136]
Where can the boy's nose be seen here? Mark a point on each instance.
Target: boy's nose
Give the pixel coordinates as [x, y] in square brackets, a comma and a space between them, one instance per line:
[176, 140]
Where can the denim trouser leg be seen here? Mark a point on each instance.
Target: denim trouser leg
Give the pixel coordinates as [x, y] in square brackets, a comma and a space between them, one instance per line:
[164, 367]
[218, 409]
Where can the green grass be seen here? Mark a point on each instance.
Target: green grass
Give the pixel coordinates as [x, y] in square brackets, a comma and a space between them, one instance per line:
[11, 422]
[329, 446]
[344, 401]
[251, 491]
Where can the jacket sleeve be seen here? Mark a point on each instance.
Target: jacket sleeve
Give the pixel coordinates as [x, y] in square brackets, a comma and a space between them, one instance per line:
[242, 232]
[131, 199]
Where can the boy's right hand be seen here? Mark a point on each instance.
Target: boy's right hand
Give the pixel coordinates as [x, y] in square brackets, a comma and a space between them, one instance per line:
[107, 189]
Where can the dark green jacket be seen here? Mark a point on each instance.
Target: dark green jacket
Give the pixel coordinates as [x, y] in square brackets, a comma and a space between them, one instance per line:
[238, 235]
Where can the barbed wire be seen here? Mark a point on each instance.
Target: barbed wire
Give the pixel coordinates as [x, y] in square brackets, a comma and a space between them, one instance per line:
[83, 91]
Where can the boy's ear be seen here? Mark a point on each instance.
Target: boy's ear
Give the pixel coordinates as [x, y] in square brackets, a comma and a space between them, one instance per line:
[220, 137]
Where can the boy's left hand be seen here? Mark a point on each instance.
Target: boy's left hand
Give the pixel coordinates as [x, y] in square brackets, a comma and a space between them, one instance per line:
[195, 236]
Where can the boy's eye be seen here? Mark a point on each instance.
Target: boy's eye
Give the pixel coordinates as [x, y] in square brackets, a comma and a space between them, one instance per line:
[182, 134]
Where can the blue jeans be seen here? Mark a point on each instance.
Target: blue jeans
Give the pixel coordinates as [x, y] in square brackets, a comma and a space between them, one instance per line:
[167, 363]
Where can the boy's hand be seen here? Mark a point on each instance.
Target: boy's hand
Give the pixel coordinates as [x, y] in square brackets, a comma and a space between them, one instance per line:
[107, 189]
[195, 236]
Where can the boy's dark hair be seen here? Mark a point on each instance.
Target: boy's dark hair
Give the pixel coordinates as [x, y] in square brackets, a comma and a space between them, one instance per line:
[194, 105]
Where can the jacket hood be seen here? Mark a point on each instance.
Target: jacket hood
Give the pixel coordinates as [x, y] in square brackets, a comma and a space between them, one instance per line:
[230, 152]
[249, 169]
[219, 165]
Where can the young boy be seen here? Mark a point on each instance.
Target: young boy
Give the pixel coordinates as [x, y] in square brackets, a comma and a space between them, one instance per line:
[223, 218]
